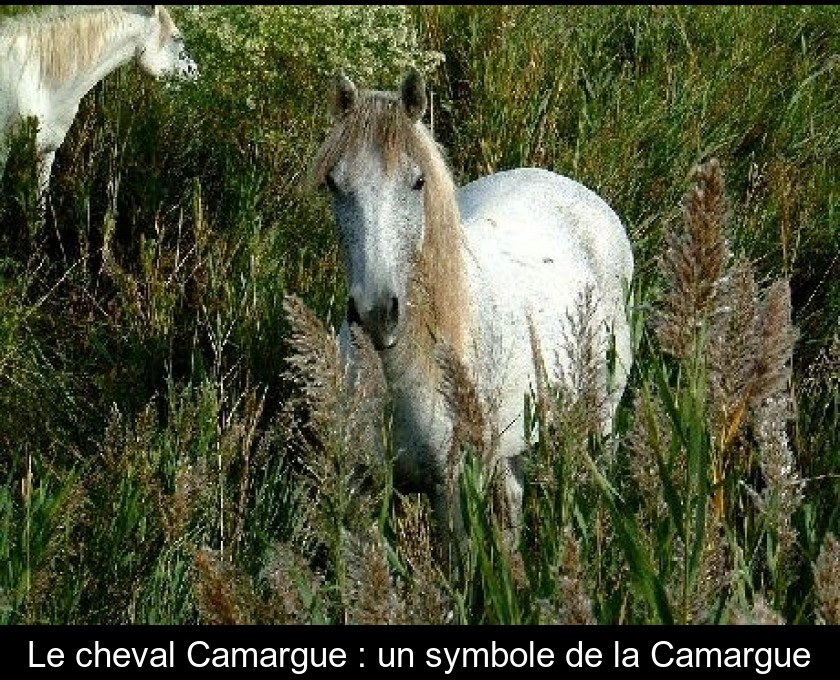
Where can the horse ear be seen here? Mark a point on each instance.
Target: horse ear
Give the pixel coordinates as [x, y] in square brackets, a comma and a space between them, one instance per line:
[344, 95]
[414, 95]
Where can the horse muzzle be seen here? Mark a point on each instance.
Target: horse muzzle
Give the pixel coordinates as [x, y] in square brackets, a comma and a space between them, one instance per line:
[380, 320]
[190, 71]
[187, 70]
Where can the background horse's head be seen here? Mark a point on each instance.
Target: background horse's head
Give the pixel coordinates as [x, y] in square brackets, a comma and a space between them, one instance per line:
[162, 53]
[376, 164]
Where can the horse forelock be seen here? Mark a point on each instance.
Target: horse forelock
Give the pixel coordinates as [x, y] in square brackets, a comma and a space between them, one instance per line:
[66, 40]
[377, 121]
[438, 292]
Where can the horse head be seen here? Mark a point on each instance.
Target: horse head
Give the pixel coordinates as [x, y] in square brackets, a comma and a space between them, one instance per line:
[374, 166]
[162, 52]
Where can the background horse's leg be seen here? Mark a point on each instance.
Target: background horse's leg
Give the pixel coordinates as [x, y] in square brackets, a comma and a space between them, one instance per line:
[5, 149]
[45, 163]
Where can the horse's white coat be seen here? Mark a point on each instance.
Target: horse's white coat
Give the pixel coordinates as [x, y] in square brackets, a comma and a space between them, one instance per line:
[534, 240]
[531, 242]
[81, 47]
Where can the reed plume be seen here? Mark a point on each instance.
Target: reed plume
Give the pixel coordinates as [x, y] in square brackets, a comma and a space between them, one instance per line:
[694, 263]
[827, 581]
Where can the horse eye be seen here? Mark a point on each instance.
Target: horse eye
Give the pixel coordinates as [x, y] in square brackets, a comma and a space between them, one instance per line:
[419, 183]
[329, 182]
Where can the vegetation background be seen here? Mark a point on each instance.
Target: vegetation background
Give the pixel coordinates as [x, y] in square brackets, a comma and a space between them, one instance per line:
[175, 444]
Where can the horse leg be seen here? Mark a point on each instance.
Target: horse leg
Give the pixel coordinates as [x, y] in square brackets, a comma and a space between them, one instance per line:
[5, 149]
[448, 515]
[45, 163]
[48, 138]
[619, 334]
[512, 477]
[448, 524]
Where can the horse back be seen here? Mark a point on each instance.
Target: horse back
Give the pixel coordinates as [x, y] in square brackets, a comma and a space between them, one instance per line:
[533, 209]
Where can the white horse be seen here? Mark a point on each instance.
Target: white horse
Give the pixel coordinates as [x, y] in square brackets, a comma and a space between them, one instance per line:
[49, 61]
[472, 268]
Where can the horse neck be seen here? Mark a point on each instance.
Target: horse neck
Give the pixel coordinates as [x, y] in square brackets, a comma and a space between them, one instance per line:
[120, 44]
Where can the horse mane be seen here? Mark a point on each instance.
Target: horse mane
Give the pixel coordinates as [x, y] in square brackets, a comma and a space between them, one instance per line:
[67, 39]
[438, 287]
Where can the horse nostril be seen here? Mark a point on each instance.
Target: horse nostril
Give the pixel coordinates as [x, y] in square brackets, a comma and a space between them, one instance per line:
[393, 312]
[353, 312]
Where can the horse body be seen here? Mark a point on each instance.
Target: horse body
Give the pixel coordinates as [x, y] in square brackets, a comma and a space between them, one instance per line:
[535, 241]
[476, 269]
[49, 62]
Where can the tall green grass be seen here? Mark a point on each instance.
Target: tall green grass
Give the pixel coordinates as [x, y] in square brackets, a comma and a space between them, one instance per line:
[169, 453]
